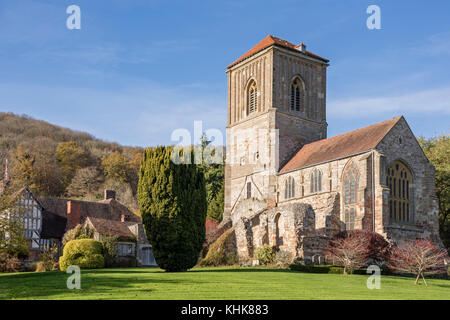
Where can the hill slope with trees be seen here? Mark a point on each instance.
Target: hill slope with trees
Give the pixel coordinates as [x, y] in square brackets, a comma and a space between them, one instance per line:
[60, 162]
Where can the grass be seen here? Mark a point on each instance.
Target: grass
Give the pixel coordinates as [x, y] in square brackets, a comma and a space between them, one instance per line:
[214, 283]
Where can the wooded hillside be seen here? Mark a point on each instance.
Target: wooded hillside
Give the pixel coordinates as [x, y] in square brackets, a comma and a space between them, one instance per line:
[61, 162]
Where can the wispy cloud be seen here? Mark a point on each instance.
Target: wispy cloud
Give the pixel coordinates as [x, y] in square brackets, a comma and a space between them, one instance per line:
[426, 101]
[437, 44]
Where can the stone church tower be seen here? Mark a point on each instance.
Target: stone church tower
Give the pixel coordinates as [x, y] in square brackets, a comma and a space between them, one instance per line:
[276, 104]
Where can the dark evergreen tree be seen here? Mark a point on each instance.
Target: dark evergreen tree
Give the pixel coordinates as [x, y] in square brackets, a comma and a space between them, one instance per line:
[172, 200]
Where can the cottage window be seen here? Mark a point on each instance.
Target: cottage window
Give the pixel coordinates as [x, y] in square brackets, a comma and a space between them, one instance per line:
[399, 181]
[124, 249]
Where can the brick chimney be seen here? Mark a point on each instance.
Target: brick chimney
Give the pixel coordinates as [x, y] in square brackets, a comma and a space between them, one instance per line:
[110, 194]
[73, 214]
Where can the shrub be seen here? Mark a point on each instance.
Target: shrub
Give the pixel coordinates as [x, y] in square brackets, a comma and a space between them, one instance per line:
[220, 252]
[376, 246]
[109, 250]
[283, 258]
[40, 267]
[9, 262]
[265, 254]
[85, 253]
[123, 262]
[48, 260]
[31, 267]
[172, 199]
[79, 232]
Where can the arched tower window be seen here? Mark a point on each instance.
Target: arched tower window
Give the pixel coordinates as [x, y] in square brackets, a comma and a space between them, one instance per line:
[399, 180]
[351, 186]
[289, 191]
[316, 181]
[252, 97]
[297, 94]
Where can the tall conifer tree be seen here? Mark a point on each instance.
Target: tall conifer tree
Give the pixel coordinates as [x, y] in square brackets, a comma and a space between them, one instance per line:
[172, 199]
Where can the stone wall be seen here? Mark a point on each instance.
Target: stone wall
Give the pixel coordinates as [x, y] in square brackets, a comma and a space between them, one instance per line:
[401, 144]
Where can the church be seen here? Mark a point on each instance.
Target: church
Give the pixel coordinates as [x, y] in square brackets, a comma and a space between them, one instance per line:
[289, 186]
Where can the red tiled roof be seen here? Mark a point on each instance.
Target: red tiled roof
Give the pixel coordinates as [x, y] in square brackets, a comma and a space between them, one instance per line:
[109, 209]
[346, 144]
[111, 227]
[269, 41]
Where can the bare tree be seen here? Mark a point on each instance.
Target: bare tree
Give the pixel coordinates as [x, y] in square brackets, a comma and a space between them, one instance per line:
[351, 253]
[420, 257]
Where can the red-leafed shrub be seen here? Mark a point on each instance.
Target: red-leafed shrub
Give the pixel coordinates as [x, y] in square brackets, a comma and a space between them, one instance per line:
[213, 232]
[420, 257]
[378, 249]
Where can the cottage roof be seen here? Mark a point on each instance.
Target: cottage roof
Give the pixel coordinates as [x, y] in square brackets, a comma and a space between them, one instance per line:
[110, 227]
[270, 41]
[339, 146]
[110, 209]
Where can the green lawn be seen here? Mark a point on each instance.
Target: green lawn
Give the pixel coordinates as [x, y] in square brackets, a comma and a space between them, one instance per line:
[214, 283]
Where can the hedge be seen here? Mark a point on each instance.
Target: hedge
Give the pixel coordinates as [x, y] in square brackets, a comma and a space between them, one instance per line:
[317, 268]
[84, 253]
[330, 269]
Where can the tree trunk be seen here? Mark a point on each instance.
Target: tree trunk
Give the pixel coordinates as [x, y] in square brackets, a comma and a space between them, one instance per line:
[417, 278]
[424, 279]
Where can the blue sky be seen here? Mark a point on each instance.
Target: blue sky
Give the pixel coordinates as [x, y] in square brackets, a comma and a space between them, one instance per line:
[139, 69]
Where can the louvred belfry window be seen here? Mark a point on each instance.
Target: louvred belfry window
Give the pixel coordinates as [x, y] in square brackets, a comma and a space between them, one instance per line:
[297, 95]
[252, 98]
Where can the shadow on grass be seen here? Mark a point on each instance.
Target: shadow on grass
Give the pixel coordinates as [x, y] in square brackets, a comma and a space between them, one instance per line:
[99, 283]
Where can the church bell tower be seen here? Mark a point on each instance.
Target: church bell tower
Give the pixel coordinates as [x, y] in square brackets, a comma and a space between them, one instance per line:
[276, 104]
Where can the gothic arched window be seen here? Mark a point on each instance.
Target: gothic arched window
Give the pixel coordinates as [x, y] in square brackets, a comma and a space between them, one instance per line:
[252, 97]
[399, 180]
[297, 93]
[316, 181]
[289, 188]
[351, 186]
